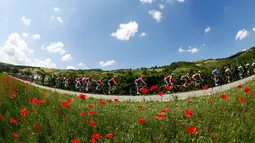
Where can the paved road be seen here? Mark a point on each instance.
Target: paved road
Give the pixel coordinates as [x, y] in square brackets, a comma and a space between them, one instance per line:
[166, 97]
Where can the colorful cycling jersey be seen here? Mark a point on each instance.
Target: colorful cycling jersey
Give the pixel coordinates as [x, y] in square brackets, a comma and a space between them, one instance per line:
[195, 75]
[139, 79]
[58, 78]
[167, 78]
[215, 71]
[67, 79]
[111, 80]
[185, 77]
[99, 81]
[78, 79]
[227, 70]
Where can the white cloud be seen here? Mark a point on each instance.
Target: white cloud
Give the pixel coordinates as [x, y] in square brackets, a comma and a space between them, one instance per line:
[60, 20]
[56, 9]
[36, 37]
[241, 34]
[66, 58]
[181, 50]
[25, 35]
[142, 34]
[16, 51]
[70, 67]
[25, 20]
[82, 65]
[56, 48]
[126, 31]
[161, 6]
[181, 1]
[43, 47]
[193, 50]
[253, 29]
[244, 50]
[207, 29]
[107, 63]
[157, 15]
[48, 63]
[146, 1]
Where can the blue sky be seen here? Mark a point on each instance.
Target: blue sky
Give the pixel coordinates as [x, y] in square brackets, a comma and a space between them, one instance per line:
[87, 34]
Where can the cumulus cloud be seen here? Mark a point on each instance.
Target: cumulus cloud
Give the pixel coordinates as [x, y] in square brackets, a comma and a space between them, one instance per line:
[145, 1]
[56, 48]
[56, 9]
[59, 19]
[36, 37]
[181, 1]
[142, 34]
[157, 15]
[16, 51]
[193, 50]
[66, 58]
[126, 31]
[82, 66]
[190, 50]
[161, 6]
[241, 34]
[207, 29]
[181, 50]
[25, 35]
[25, 20]
[107, 63]
[253, 29]
[70, 67]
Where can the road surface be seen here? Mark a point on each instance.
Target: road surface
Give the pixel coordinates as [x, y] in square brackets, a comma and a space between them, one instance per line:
[166, 97]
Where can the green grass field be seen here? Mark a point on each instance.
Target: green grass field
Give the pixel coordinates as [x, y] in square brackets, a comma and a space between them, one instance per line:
[48, 119]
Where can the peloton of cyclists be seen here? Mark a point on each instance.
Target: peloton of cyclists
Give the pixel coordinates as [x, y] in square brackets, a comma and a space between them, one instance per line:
[137, 83]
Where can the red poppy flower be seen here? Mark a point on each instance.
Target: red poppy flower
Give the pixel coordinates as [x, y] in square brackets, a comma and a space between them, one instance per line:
[116, 100]
[205, 87]
[41, 94]
[213, 135]
[161, 93]
[154, 87]
[247, 90]
[36, 127]
[253, 93]
[14, 135]
[1, 117]
[65, 119]
[13, 95]
[90, 105]
[109, 136]
[144, 90]
[210, 100]
[23, 112]
[241, 100]
[65, 104]
[140, 106]
[141, 121]
[239, 86]
[12, 121]
[56, 99]
[189, 101]
[168, 88]
[32, 110]
[100, 102]
[96, 136]
[43, 100]
[75, 141]
[192, 130]
[224, 96]
[93, 140]
[160, 115]
[83, 114]
[109, 101]
[92, 123]
[91, 113]
[69, 100]
[188, 113]
[165, 110]
[82, 96]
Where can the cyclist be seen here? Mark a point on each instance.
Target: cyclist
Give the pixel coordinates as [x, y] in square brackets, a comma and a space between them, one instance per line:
[137, 82]
[110, 82]
[253, 67]
[247, 69]
[58, 81]
[87, 82]
[186, 79]
[67, 81]
[215, 73]
[228, 72]
[99, 83]
[196, 77]
[240, 72]
[78, 83]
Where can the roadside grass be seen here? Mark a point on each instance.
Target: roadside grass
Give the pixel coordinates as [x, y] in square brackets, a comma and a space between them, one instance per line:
[213, 118]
